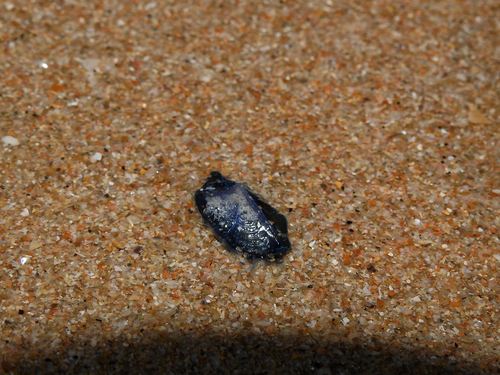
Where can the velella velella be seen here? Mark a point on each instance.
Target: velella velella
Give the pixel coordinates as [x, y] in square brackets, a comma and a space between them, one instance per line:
[241, 220]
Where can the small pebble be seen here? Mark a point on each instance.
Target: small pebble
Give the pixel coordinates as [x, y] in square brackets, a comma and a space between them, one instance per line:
[97, 156]
[9, 140]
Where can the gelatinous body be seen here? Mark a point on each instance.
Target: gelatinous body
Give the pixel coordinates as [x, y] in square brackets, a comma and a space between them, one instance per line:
[241, 220]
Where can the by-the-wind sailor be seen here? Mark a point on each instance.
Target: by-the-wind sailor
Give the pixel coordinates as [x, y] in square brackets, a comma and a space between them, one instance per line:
[241, 220]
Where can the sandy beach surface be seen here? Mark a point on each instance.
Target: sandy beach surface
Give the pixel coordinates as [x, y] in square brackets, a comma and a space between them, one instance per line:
[373, 126]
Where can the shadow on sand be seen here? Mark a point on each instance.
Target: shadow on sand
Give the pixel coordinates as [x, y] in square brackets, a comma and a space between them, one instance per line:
[188, 353]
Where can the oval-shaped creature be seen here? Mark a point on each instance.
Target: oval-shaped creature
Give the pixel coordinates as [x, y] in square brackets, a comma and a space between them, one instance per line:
[241, 220]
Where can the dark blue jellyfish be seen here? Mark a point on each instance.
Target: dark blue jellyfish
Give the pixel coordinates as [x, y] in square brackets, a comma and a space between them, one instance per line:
[241, 220]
